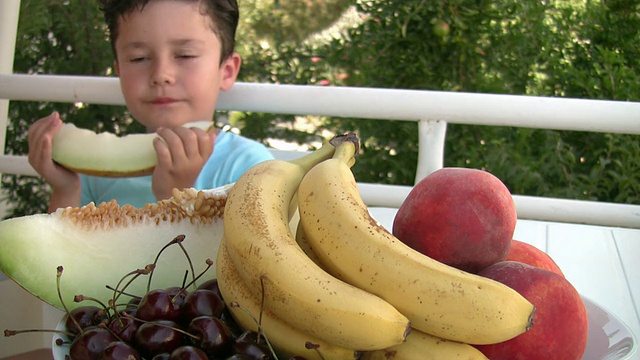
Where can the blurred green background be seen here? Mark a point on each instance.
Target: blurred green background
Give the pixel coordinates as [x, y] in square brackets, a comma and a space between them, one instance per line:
[576, 49]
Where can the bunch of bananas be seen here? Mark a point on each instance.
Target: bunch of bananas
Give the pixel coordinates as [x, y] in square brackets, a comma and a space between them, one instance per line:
[301, 249]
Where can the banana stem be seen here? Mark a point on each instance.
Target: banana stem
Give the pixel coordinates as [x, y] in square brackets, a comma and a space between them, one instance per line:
[328, 150]
[351, 162]
[346, 137]
[346, 153]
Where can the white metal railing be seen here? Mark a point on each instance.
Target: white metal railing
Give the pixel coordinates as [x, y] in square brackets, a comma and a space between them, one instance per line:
[9, 14]
[396, 104]
[431, 109]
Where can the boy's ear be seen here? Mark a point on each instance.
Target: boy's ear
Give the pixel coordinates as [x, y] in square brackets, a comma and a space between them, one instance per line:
[116, 67]
[229, 71]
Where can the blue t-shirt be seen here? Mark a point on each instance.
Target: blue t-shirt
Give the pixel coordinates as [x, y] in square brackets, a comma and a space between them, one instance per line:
[231, 157]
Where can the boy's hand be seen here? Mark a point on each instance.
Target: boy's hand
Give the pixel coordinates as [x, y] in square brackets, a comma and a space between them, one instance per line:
[64, 183]
[181, 156]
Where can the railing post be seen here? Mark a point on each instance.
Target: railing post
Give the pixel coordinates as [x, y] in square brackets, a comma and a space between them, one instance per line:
[431, 137]
[9, 14]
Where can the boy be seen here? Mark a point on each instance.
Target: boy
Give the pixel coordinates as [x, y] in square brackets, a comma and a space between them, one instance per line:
[173, 58]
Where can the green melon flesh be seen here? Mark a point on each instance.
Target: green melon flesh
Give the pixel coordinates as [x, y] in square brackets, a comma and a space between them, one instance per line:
[106, 154]
[97, 253]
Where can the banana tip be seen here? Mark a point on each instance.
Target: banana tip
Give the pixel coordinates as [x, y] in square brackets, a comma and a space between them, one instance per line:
[407, 331]
[530, 321]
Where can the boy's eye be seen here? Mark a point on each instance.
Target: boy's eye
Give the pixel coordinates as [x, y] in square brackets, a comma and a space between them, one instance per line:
[137, 59]
[185, 56]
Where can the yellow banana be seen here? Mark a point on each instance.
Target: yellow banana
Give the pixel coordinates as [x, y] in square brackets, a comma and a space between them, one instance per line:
[302, 241]
[262, 247]
[284, 338]
[422, 346]
[438, 299]
[298, 231]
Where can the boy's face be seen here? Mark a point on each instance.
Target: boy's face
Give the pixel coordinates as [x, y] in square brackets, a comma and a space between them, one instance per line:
[168, 61]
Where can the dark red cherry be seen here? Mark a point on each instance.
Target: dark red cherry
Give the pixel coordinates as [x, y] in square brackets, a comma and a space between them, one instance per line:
[239, 357]
[188, 353]
[119, 350]
[214, 337]
[90, 343]
[211, 285]
[231, 323]
[161, 336]
[255, 351]
[124, 327]
[132, 306]
[178, 294]
[202, 303]
[249, 336]
[86, 316]
[247, 344]
[158, 305]
[134, 302]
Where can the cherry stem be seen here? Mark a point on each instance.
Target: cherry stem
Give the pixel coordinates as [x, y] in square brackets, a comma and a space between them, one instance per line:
[184, 278]
[117, 293]
[80, 298]
[186, 254]
[258, 322]
[246, 311]
[113, 305]
[104, 326]
[8, 332]
[209, 265]
[311, 346]
[262, 279]
[178, 239]
[182, 288]
[134, 274]
[262, 301]
[164, 325]
[59, 271]
[123, 292]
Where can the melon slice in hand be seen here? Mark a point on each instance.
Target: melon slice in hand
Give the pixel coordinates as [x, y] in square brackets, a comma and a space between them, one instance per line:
[106, 154]
[98, 245]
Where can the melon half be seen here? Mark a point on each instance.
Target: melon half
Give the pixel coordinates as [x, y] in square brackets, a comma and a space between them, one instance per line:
[106, 154]
[98, 245]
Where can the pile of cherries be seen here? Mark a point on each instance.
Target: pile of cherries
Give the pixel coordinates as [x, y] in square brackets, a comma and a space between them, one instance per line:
[173, 323]
[164, 324]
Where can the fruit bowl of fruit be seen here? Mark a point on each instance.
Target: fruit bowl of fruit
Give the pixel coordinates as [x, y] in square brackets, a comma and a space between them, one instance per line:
[339, 285]
[609, 337]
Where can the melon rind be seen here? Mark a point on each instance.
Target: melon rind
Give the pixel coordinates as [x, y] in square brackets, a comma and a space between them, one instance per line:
[106, 154]
[32, 247]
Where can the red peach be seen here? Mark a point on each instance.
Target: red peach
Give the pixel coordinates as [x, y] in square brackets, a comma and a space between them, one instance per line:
[526, 253]
[560, 325]
[462, 217]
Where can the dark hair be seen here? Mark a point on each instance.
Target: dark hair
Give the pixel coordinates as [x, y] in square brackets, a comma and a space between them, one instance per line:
[224, 16]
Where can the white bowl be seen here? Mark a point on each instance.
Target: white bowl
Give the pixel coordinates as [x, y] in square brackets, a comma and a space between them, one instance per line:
[609, 338]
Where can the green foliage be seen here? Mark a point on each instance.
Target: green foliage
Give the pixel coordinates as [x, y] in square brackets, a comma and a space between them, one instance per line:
[56, 37]
[508, 47]
[292, 20]
[566, 48]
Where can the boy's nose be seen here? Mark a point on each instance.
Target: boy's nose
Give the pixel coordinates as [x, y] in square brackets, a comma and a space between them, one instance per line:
[162, 73]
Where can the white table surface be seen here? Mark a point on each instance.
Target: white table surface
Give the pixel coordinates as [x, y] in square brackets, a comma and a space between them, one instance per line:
[602, 263]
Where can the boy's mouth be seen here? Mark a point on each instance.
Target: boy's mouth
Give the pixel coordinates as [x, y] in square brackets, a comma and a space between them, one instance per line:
[163, 101]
